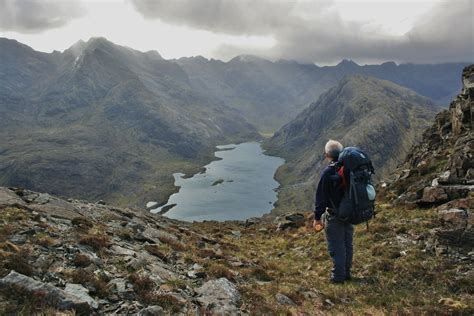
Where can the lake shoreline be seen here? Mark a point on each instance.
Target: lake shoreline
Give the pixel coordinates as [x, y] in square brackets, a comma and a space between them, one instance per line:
[247, 181]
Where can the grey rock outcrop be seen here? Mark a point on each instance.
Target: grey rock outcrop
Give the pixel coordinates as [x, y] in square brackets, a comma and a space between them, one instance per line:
[219, 297]
[77, 290]
[53, 296]
[439, 171]
[441, 167]
[99, 258]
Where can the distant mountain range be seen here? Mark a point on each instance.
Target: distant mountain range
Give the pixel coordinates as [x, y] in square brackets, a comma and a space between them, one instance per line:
[269, 94]
[382, 118]
[103, 121]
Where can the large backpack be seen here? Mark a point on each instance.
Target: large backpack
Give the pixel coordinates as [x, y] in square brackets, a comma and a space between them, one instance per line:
[358, 202]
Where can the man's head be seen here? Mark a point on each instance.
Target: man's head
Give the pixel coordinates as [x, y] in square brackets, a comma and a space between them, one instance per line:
[332, 149]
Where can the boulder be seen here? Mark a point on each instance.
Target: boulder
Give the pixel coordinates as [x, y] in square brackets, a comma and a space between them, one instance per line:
[252, 221]
[53, 296]
[219, 297]
[457, 226]
[9, 198]
[467, 203]
[293, 220]
[458, 191]
[444, 177]
[82, 293]
[434, 195]
[121, 251]
[284, 300]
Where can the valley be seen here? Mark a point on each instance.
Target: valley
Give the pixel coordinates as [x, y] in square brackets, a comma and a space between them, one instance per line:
[196, 158]
[101, 121]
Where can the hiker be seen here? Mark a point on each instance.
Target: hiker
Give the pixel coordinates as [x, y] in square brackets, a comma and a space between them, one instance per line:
[338, 233]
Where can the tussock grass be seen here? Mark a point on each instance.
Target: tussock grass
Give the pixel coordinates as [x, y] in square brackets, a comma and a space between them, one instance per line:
[217, 270]
[393, 273]
[173, 243]
[157, 251]
[13, 257]
[81, 260]
[82, 223]
[96, 241]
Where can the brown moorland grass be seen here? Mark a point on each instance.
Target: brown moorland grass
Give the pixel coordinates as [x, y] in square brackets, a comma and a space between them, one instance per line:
[393, 271]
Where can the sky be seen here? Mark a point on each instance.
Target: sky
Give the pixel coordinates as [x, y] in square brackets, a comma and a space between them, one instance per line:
[309, 31]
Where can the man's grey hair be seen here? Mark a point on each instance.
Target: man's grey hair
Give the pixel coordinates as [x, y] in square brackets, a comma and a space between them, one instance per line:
[333, 148]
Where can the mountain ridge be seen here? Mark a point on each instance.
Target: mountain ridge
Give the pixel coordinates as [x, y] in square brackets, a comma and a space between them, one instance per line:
[270, 93]
[77, 111]
[360, 111]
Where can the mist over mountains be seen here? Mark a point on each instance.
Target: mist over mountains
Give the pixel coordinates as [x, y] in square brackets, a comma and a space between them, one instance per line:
[269, 94]
[103, 121]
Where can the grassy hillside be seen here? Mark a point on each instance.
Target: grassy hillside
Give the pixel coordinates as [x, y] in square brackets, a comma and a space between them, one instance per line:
[126, 260]
[395, 268]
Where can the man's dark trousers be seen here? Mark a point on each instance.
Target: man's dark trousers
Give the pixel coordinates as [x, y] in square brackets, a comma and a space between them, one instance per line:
[339, 237]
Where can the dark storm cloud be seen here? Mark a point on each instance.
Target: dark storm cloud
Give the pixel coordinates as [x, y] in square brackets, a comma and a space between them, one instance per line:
[312, 31]
[223, 16]
[33, 16]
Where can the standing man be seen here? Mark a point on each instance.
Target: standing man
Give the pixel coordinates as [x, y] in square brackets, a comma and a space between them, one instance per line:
[338, 233]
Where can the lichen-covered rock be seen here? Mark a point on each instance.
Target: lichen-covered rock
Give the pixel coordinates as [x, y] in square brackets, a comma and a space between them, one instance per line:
[219, 297]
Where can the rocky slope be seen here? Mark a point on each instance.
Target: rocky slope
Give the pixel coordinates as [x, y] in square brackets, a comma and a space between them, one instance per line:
[439, 171]
[98, 120]
[270, 94]
[102, 259]
[377, 115]
[88, 258]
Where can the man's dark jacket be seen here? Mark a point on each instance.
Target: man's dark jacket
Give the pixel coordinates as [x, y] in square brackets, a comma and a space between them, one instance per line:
[328, 190]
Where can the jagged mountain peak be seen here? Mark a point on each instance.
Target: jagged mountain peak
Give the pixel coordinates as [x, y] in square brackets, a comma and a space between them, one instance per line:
[102, 43]
[347, 63]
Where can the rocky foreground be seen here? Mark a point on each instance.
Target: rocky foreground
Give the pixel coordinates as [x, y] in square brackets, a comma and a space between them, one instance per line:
[92, 258]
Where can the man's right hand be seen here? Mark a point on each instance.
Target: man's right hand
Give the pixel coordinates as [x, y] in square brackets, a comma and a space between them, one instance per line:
[318, 225]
